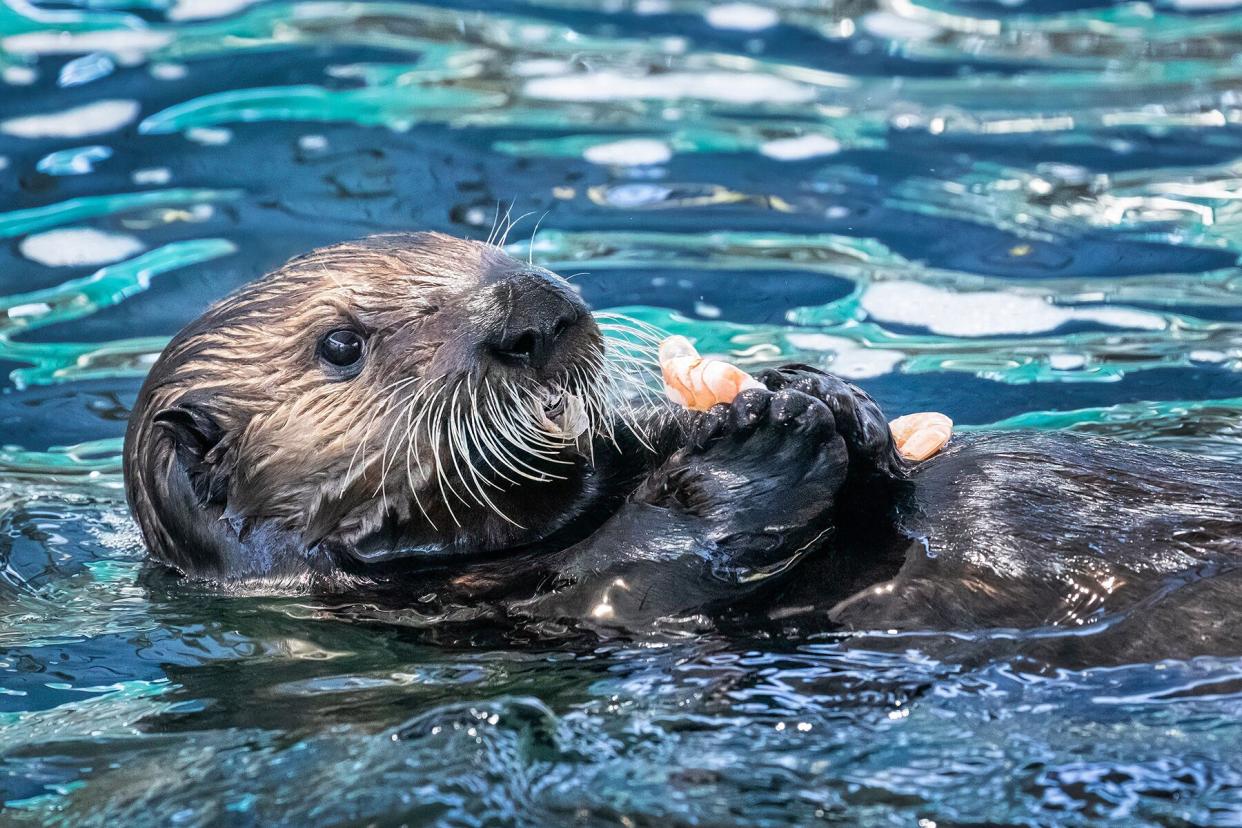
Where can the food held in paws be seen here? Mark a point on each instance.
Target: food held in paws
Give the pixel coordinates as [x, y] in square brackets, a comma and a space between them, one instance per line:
[919, 436]
[698, 383]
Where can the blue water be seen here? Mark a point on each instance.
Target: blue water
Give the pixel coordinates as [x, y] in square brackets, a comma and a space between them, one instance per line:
[1024, 214]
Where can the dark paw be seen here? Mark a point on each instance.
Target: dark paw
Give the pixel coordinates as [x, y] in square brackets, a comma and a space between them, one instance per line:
[765, 416]
[757, 479]
[758, 448]
[857, 417]
[741, 416]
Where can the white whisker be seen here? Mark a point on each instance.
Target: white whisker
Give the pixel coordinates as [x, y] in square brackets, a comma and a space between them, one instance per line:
[530, 245]
[442, 480]
[504, 238]
[495, 221]
[462, 437]
[389, 393]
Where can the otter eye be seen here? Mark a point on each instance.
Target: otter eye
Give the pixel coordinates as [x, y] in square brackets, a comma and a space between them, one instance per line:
[342, 348]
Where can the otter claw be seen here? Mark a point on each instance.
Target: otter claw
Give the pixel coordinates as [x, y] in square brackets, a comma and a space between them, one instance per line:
[697, 383]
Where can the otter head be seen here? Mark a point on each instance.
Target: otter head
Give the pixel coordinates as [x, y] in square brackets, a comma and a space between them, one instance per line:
[403, 395]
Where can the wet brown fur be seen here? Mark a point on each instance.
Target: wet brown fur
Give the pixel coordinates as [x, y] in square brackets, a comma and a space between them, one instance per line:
[297, 451]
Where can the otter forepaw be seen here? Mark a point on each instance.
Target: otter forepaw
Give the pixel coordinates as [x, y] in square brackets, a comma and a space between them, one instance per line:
[789, 410]
[765, 452]
[857, 417]
[737, 418]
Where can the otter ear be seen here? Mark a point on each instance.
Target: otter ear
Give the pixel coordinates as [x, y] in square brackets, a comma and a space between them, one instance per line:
[200, 446]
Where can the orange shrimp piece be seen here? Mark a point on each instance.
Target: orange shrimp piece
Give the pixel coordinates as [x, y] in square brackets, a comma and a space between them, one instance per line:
[697, 383]
[919, 436]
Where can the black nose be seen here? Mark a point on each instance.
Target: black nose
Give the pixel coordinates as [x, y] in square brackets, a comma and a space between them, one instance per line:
[538, 314]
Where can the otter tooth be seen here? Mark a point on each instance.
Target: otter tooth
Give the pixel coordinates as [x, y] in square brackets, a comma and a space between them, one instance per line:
[574, 421]
[571, 422]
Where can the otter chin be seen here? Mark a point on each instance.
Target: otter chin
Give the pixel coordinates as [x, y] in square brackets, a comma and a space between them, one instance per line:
[426, 415]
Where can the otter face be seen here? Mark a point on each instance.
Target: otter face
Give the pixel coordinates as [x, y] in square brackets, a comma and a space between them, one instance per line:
[410, 391]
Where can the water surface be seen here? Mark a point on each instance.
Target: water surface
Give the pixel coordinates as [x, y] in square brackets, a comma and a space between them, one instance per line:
[1025, 214]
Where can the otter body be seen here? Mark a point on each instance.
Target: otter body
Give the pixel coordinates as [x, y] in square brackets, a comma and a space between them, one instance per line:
[426, 417]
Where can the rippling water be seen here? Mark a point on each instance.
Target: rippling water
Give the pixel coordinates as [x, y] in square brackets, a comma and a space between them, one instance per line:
[1025, 214]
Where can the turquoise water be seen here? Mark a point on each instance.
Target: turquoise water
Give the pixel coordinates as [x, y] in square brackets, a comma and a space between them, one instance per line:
[1025, 214]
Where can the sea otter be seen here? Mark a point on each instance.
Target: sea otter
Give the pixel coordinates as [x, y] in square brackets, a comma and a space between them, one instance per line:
[426, 417]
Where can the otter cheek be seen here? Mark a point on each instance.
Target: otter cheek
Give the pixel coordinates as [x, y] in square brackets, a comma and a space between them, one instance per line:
[458, 354]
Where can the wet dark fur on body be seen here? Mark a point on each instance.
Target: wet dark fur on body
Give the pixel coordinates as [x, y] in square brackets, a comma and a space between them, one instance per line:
[375, 416]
